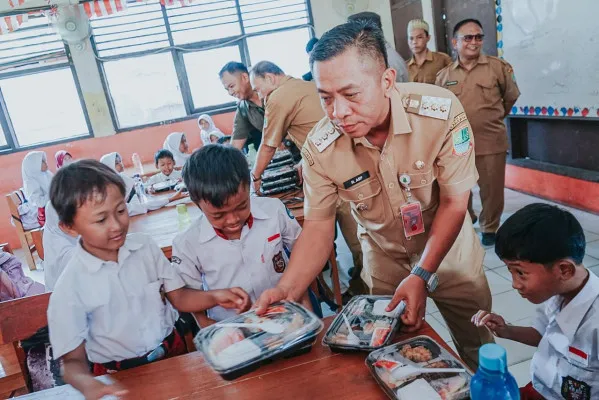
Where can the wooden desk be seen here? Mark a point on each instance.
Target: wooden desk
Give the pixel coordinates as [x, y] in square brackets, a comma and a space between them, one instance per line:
[320, 374]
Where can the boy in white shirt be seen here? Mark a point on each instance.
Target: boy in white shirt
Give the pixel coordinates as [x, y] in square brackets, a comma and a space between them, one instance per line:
[239, 240]
[543, 247]
[165, 162]
[113, 303]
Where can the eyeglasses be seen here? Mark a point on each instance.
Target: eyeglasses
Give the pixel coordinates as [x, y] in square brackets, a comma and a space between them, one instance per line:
[469, 38]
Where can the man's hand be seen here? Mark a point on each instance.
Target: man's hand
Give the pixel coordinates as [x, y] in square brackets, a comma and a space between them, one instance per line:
[271, 296]
[494, 322]
[96, 390]
[413, 291]
[256, 186]
[235, 298]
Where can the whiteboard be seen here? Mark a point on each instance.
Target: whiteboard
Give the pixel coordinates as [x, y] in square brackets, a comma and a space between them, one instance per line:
[553, 46]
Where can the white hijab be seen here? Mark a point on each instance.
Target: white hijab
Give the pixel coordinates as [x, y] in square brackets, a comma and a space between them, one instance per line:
[36, 184]
[134, 206]
[172, 143]
[211, 131]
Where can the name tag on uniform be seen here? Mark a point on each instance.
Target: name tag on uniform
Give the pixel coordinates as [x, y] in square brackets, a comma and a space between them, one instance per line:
[578, 356]
[451, 83]
[356, 179]
[429, 106]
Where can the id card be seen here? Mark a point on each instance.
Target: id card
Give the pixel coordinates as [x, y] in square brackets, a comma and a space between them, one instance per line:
[411, 215]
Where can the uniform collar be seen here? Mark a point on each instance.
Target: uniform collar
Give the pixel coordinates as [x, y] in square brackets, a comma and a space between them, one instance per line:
[93, 263]
[208, 232]
[571, 316]
[429, 57]
[482, 59]
[399, 119]
[284, 80]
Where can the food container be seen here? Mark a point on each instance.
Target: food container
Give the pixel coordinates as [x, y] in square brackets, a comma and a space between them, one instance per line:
[277, 174]
[369, 322]
[233, 351]
[393, 368]
[164, 186]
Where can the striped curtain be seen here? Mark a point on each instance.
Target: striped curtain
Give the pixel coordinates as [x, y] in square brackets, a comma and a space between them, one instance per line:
[12, 23]
[172, 3]
[102, 8]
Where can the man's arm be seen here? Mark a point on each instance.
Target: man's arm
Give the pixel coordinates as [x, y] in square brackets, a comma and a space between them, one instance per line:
[241, 130]
[238, 143]
[265, 154]
[509, 89]
[192, 300]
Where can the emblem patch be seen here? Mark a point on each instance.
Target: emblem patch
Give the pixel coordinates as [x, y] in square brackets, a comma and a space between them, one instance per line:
[176, 260]
[307, 156]
[461, 141]
[575, 390]
[278, 263]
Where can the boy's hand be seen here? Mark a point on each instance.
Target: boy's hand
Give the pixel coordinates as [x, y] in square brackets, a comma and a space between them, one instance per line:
[235, 298]
[494, 322]
[97, 390]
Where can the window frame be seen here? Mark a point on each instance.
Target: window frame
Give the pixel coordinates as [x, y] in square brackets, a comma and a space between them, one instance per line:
[6, 122]
[177, 55]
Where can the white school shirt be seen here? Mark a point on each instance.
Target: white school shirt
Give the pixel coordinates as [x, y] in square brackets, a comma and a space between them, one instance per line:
[160, 177]
[115, 307]
[255, 262]
[58, 248]
[567, 358]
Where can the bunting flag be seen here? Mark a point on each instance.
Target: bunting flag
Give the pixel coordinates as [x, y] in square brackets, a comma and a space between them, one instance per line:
[15, 3]
[12, 23]
[103, 8]
[172, 3]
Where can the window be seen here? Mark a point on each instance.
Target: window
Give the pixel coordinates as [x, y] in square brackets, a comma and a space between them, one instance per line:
[162, 62]
[38, 89]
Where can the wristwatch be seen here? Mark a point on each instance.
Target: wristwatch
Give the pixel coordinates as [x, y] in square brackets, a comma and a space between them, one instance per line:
[254, 179]
[431, 280]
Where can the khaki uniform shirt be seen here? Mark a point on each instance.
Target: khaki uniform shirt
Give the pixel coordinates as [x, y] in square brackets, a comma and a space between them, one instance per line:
[248, 124]
[427, 72]
[487, 93]
[435, 153]
[291, 109]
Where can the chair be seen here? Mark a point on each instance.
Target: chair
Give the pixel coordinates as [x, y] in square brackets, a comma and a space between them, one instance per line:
[6, 248]
[31, 240]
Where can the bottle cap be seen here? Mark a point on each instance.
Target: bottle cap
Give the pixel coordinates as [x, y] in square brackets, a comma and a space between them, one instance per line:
[493, 357]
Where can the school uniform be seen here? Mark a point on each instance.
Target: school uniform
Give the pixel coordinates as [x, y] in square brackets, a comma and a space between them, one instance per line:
[172, 143]
[207, 260]
[212, 130]
[118, 309]
[36, 184]
[134, 206]
[160, 177]
[58, 248]
[566, 364]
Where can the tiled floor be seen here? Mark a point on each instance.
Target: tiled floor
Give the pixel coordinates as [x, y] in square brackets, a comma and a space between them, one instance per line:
[506, 300]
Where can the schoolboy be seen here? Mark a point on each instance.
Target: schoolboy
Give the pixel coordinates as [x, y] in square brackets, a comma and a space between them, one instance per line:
[165, 162]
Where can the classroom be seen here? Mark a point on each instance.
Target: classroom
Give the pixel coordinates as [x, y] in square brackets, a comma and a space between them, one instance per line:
[299, 199]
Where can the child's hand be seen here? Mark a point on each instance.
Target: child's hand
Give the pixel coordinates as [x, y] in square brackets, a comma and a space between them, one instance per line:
[98, 390]
[494, 322]
[235, 298]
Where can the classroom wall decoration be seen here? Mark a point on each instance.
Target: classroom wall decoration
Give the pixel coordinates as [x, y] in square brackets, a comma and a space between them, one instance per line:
[552, 46]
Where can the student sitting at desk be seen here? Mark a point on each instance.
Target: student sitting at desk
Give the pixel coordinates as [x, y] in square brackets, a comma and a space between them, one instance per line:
[115, 302]
[177, 144]
[165, 162]
[36, 182]
[114, 161]
[238, 240]
[543, 248]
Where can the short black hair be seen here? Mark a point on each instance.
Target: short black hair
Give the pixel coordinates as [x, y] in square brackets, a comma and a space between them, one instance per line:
[541, 234]
[163, 153]
[77, 183]
[224, 139]
[266, 67]
[214, 173]
[367, 16]
[233, 67]
[361, 34]
[463, 22]
[310, 45]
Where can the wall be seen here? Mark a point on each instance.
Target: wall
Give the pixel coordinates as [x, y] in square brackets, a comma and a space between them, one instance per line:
[325, 16]
[143, 141]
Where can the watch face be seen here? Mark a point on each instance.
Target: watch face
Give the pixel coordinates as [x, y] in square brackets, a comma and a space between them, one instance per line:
[433, 283]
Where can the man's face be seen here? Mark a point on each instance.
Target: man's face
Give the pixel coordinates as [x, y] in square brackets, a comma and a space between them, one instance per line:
[417, 40]
[263, 85]
[232, 216]
[237, 85]
[534, 282]
[166, 165]
[469, 41]
[354, 91]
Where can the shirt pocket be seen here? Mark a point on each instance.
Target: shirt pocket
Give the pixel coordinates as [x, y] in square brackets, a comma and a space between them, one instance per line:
[366, 200]
[489, 90]
[579, 373]
[421, 188]
[455, 88]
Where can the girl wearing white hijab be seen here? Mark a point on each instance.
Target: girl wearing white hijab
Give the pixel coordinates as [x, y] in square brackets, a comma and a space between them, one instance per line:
[176, 143]
[208, 130]
[115, 161]
[36, 182]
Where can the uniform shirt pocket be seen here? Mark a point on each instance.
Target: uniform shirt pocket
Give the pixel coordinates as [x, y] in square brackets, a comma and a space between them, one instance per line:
[490, 91]
[422, 190]
[366, 200]
[455, 88]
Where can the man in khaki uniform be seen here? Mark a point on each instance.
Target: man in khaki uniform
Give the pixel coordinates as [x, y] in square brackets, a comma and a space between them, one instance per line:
[424, 64]
[487, 88]
[391, 149]
[292, 108]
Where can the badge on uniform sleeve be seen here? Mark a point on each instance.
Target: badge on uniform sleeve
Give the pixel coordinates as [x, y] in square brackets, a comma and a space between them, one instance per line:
[411, 216]
[429, 106]
[461, 141]
[573, 389]
[307, 156]
[278, 263]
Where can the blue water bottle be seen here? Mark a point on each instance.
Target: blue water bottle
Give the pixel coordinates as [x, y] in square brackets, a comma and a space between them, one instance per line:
[492, 381]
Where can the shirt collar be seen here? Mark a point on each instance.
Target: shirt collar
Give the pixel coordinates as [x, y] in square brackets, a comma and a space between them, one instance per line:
[482, 59]
[93, 263]
[571, 316]
[429, 57]
[208, 232]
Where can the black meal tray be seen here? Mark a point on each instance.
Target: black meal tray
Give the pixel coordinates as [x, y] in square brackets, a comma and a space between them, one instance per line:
[280, 189]
[164, 188]
[274, 175]
[279, 183]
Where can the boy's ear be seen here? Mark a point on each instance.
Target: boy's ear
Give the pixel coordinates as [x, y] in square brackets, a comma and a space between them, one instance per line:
[68, 229]
[566, 269]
